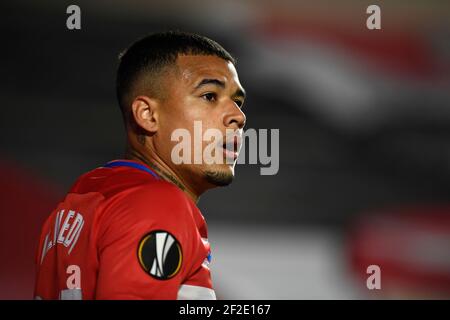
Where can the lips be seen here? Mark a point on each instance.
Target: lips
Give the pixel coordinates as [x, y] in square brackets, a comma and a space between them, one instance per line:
[231, 147]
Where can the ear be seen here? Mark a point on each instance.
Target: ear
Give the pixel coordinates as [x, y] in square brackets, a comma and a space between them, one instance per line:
[145, 113]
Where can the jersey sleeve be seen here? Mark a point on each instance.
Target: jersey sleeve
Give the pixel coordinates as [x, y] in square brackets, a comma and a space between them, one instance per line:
[146, 244]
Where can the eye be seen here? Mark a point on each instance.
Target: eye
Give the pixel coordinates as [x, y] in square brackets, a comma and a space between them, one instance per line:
[210, 96]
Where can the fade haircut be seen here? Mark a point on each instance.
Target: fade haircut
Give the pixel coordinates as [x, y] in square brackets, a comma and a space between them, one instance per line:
[147, 58]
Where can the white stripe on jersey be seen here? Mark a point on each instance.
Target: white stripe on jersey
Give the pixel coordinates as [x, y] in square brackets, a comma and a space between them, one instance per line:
[188, 292]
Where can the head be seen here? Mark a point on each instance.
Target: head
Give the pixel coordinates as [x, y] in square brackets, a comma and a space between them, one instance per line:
[168, 81]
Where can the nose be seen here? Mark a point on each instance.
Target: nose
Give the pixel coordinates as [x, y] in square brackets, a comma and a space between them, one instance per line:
[234, 116]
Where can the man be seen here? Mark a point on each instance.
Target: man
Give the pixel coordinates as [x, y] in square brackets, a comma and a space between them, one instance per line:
[131, 229]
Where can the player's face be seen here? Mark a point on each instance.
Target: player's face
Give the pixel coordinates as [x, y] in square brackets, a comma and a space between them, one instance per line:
[205, 90]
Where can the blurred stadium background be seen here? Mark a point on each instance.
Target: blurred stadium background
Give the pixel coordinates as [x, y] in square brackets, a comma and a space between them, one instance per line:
[364, 119]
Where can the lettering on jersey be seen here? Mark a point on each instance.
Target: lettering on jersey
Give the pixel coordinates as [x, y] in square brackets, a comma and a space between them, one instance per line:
[160, 254]
[66, 231]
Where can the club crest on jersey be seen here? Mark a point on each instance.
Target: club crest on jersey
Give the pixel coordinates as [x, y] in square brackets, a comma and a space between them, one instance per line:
[160, 254]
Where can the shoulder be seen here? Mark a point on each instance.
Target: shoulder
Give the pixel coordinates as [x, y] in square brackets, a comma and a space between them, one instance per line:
[153, 194]
[155, 203]
[132, 214]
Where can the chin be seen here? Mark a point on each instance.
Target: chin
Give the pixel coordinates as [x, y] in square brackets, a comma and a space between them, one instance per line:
[220, 176]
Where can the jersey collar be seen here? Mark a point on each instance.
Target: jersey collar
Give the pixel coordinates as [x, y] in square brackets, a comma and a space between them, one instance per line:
[131, 164]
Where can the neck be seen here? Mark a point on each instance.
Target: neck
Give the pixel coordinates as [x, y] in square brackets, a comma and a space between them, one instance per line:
[163, 170]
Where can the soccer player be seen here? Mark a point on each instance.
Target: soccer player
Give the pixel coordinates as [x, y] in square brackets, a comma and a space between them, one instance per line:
[131, 228]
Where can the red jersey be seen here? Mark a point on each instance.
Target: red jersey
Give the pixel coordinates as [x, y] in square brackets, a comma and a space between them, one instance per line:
[123, 233]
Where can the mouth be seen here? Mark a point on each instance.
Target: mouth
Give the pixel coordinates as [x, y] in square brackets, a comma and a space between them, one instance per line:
[231, 147]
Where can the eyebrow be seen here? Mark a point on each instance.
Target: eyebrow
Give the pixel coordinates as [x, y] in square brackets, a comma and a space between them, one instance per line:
[239, 92]
[205, 82]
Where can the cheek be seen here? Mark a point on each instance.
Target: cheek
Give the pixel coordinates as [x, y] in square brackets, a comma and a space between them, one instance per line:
[174, 114]
[193, 115]
[194, 109]
[184, 111]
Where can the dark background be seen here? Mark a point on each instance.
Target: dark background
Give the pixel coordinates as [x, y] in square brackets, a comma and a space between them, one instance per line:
[364, 124]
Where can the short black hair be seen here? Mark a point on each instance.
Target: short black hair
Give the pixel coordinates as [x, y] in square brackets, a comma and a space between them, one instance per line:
[151, 54]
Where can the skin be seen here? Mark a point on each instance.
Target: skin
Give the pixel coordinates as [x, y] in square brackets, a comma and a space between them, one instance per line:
[204, 88]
